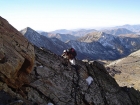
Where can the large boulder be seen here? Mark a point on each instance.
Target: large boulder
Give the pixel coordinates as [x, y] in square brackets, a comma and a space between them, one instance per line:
[16, 55]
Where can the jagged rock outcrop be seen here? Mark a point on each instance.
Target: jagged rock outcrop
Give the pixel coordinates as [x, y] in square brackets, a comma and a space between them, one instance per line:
[16, 55]
[53, 81]
[67, 85]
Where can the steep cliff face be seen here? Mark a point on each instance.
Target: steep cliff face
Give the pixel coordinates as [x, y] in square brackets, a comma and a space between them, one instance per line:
[53, 81]
[16, 55]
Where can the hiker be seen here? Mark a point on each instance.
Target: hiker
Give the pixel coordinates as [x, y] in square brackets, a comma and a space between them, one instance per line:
[65, 54]
[70, 54]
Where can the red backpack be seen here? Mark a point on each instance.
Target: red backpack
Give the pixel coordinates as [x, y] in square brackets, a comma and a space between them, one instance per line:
[73, 52]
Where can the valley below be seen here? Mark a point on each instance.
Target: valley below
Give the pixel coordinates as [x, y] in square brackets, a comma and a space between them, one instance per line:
[126, 70]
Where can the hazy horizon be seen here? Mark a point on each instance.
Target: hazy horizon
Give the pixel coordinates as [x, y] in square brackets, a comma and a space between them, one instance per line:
[50, 15]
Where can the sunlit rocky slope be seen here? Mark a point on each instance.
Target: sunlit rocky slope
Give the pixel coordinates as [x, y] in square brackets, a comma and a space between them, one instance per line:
[129, 70]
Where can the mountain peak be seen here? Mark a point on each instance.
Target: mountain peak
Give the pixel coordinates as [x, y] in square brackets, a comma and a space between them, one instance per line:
[93, 36]
[28, 29]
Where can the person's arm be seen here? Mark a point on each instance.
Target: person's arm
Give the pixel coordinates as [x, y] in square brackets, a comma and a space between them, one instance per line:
[63, 54]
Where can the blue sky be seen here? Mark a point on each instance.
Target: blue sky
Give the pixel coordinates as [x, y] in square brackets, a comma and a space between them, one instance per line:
[48, 15]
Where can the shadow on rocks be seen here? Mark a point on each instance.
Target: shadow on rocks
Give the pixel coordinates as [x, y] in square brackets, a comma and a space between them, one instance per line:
[133, 94]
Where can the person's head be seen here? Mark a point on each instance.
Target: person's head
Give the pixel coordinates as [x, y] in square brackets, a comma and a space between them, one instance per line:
[64, 51]
[67, 53]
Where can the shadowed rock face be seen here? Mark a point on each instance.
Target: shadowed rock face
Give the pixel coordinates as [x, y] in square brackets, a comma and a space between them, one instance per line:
[63, 84]
[53, 80]
[16, 55]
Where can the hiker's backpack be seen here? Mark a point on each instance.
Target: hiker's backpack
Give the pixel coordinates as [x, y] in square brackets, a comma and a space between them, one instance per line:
[73, 52]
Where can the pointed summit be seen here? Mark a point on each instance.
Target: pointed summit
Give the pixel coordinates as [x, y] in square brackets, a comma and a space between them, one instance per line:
[93, 36]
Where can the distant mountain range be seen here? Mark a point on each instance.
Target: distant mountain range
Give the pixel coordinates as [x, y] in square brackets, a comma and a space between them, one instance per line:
[62, 37]
[80, 32]
[118, 31]
[66, 35]
[53, 44]
[108, 47]
[133, 28]
[94, 45]
[124, 29]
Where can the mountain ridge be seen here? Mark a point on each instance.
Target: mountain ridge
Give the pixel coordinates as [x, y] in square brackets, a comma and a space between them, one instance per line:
[118, 31]
[62, 37]
[52, 44]
[50, 79]
[78, 32]
[93, 46]
[116, 46]
[134, 28]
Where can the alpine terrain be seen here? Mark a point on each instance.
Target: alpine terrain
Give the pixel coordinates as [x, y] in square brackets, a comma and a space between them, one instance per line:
[62, 37]
[99, 45]
[30, 75]
[118, 31]
[93, 46]
[129, 70]
[53, 44]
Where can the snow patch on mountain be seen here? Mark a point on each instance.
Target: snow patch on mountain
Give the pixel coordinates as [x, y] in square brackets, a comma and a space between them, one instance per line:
[53, 44]
[106, 40]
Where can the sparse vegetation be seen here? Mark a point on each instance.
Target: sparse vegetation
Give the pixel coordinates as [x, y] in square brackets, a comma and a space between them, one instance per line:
[129, 68]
